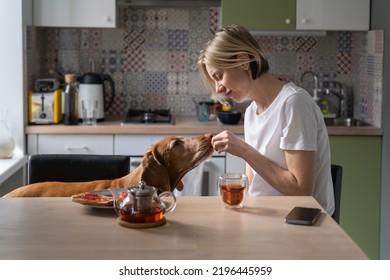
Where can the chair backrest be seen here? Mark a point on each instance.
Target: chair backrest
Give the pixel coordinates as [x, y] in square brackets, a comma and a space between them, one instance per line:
[76, 167]
[337, 175]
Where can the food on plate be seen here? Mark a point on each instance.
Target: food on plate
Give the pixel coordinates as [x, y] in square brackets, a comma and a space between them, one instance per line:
[123, 195]
[94, 199]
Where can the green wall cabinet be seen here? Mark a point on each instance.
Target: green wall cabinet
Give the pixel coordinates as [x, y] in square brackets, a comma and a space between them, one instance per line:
[360, 157]
[260, 14]
[287, 15]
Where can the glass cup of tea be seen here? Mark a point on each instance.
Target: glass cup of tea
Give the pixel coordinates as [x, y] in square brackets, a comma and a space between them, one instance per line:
[233, 188]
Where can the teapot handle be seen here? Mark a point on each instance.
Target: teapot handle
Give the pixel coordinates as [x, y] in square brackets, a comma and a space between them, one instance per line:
[108, 78]
[172, 205]
[115, 196]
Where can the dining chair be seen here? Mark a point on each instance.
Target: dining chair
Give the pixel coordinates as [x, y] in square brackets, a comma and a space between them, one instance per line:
[76, 167]
[337, 175]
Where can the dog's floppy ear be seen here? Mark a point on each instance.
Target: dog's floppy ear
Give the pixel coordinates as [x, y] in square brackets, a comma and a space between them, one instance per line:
[161, 152]
[155, 174]
[158, 156]
[161, 149]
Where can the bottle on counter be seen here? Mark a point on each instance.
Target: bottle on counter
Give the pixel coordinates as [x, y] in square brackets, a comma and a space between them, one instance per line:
[7, 144]
[70, 100]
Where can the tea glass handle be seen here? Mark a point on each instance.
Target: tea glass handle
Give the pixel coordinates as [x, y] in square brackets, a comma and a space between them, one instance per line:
[115, 197]
[172, 204]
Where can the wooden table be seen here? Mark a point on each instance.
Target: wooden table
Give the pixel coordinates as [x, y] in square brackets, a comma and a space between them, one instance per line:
[199, 228]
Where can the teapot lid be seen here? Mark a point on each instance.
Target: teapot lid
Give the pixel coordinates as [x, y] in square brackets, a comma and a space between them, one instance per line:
[143, 190]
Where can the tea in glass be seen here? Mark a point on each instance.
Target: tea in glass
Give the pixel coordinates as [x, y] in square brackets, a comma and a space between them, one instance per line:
[233, 188]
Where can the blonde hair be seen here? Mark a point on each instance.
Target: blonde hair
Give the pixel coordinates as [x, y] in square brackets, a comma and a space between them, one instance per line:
[226, 50]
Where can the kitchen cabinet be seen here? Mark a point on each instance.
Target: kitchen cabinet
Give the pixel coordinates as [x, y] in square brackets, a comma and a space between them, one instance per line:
[75, 13]
[333, 15]
[70, 144]
[360, 157]
[135, 145]
[260, 14]
[287, 15]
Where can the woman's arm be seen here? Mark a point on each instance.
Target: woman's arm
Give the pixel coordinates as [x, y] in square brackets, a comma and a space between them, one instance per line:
[249, 173]
[297, 179]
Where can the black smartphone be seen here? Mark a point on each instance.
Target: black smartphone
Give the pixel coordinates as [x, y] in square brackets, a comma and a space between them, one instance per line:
[303, 216]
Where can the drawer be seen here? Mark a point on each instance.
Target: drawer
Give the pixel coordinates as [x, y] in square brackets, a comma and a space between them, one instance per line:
[75, 144]
[134, 145]
[137, 145]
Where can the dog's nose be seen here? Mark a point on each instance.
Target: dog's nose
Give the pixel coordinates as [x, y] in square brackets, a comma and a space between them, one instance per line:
[204, 137]
[208, 136]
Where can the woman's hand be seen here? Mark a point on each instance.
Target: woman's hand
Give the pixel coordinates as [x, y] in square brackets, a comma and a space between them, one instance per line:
[227, 141]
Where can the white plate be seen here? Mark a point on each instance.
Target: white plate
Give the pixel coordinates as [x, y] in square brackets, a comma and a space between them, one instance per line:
[99, 207]
[106, 192]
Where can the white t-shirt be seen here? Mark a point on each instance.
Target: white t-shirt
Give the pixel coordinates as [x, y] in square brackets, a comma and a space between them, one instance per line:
[292, 122]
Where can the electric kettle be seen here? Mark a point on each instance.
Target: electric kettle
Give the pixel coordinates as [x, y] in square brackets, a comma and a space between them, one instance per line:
[91, 89]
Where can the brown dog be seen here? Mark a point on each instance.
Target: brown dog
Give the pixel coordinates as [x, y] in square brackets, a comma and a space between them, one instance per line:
[163, 166]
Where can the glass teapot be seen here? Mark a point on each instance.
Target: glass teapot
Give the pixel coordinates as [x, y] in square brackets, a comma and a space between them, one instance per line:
[142, 204]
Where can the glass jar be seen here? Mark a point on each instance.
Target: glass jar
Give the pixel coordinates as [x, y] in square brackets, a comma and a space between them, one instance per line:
[7, 144]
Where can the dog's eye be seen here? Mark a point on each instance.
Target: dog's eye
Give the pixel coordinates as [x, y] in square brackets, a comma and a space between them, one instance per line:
[177, 141]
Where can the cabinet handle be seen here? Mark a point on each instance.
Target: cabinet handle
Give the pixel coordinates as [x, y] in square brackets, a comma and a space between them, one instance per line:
[288, 21]
[107, 19]
[304, 20]
[69, 148]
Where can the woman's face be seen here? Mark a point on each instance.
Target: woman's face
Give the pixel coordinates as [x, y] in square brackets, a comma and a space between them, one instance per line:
[231, 82]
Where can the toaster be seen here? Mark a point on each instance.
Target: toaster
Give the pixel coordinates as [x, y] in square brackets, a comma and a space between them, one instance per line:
[44, 107]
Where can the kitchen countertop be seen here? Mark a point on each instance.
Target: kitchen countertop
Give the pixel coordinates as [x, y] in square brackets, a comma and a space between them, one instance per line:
[183, 125]
[9, 166]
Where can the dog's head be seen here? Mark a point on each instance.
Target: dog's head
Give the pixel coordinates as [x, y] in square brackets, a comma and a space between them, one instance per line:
[172, 157]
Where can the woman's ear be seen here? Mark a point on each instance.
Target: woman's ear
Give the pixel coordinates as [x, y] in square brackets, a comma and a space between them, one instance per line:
[245, 66]
[244, 57]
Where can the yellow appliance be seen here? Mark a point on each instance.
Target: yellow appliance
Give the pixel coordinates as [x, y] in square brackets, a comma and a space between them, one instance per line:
[44, 107]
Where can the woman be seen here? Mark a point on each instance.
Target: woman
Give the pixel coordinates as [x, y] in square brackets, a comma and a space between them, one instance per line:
[286, 145]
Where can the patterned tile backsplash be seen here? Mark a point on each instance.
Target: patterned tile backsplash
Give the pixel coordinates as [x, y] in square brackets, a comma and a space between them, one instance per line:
[152, 58]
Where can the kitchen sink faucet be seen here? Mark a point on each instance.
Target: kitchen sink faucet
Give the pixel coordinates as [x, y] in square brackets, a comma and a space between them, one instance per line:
[339, 91]
[341, 95]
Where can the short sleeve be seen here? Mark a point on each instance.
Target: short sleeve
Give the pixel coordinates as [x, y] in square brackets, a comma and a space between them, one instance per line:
[299, 123]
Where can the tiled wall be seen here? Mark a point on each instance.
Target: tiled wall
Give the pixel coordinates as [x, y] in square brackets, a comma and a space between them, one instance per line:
[352, 58]
[152, 58]
[368, 103]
